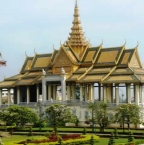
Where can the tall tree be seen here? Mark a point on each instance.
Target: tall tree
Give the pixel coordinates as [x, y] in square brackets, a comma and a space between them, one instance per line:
[128, 114]
[19, 115]
[100, 114]
[58, 115]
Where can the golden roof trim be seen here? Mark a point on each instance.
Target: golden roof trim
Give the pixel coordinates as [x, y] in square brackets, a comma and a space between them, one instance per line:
[85, 73]
[106, 76]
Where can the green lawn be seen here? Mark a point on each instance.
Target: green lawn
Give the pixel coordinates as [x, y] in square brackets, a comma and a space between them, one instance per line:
[81, 129]
[17, 138]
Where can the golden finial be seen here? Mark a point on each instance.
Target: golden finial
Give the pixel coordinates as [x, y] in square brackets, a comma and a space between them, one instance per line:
[53, 47]
[124, 43]
[35, 52]
[26, 54]
[102, 42]
[137, 44]
[76, 4]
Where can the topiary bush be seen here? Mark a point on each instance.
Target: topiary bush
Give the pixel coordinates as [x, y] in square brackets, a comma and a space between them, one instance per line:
[111, 140]
[30, 132]
[84, 131]
[116, 133]
[40, 124]
[130, 137]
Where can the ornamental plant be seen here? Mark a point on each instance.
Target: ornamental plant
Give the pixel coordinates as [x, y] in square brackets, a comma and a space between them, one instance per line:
[116, 133]
[111, 140]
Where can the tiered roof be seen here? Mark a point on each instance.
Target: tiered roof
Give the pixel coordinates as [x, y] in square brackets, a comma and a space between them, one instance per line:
[82, 63]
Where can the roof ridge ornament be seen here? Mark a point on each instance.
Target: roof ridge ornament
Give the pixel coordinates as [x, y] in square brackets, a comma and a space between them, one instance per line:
[124, 43]
[137, 44]
[62, 70]
[43, 72]
[26, 54]
[53, 47]
[35, 52]
[76, 3]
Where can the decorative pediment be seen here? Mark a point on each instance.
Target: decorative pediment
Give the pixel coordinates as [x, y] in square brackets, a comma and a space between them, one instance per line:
[62, 60]
[135, 61]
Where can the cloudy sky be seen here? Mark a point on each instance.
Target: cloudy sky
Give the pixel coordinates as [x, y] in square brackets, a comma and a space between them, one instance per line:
[26, 25]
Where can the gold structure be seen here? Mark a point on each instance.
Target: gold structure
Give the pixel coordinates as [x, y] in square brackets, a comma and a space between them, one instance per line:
[84, 67]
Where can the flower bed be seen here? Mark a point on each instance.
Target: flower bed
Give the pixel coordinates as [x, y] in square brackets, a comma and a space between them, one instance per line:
[66, 139]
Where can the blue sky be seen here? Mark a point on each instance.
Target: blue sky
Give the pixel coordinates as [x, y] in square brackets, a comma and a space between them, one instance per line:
[26, 25]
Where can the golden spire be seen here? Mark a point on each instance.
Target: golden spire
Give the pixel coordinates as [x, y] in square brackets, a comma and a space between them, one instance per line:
[76, 41]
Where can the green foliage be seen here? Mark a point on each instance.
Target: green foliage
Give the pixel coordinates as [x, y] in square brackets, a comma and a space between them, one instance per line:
[19, 115]
[130, 137]
[47, 134]
[92, 141]
[30, 132]
[58, 115]
[100, 114]
[129, 113]
[40, 124]
[60, 141]
[84, 131]
[111, 140]
[116, 133]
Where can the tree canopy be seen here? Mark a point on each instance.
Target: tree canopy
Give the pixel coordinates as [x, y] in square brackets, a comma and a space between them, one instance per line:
[18, 115]
[100, 114]
[129, 113]
[58, 115]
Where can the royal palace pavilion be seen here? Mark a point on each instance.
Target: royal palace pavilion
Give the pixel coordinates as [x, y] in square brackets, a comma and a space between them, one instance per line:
[78, 73]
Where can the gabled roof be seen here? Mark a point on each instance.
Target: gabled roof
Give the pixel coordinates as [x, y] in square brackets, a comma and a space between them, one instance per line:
[130, 57]
[64, 56]
[14, 78]
[41, 61]
[27, 64]
[91, 54]
[96, 74]
[121, 79]
[109, 56]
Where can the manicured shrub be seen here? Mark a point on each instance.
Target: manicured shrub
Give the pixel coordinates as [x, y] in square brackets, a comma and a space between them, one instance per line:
[92, 141]
[60, 141]
[111, 140]
[130, 137]
[47, 134]
[40, 124]
[84, 131]
[30, 132]
[116, 133]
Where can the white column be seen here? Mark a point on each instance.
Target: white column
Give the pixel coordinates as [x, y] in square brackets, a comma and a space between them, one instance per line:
[37, 92]
[54, 92]
[73, 92]
[9, 100]
[81, 93]
[117, 95]
[85, 91]
[0, 96]
[92, 93]
[104, 93]
[63, 84]
[128, 92]
[140, 93]
[49, 92]
[18, 95]
[68, 93]
[28, 95]
[136, 93]
[43, 89]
